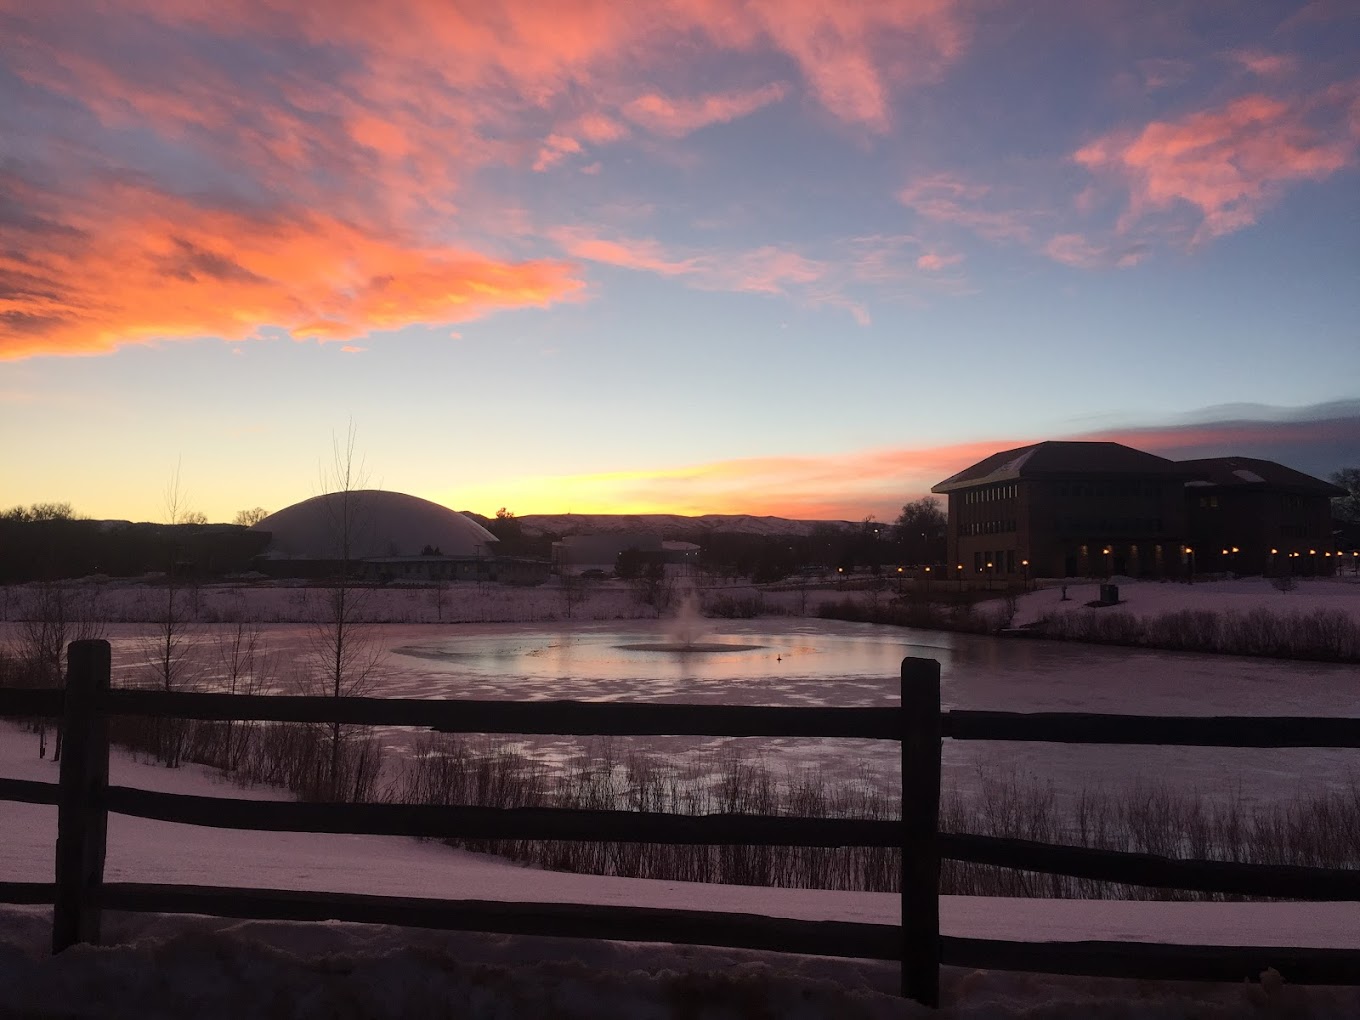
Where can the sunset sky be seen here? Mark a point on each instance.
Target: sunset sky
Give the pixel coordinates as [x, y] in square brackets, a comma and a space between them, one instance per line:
[688, 256]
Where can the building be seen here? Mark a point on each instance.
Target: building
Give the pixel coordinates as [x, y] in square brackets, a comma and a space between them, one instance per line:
[1074, 509]
[1250, 516]
[383, 535]
[1063, 509]
[577, 554]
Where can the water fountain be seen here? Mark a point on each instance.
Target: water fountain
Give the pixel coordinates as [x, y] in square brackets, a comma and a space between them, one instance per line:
[685, 631]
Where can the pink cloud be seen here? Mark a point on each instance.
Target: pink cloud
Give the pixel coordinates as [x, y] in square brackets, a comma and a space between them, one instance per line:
[338, 124]
[554, 150]
[769, 269]
[848, 484]
[1231, 162]
[1264, 64]
[943, 198]
[1080, 253]
[679, 117]
[933, 262]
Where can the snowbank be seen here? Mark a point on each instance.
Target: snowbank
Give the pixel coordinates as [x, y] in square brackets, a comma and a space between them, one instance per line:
[1152, 598]
[158, 965]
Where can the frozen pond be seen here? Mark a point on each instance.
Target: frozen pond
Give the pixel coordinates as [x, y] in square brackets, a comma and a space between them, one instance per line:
[787, 661]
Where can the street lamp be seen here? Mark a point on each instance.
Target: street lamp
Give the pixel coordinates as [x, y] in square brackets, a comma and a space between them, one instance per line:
[1190, 562]
[1025, 566]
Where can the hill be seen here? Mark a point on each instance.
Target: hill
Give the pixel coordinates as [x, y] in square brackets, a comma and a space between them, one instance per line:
[674, 526]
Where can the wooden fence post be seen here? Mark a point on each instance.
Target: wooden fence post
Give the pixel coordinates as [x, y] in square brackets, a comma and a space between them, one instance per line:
[921, 729]
[82, 812]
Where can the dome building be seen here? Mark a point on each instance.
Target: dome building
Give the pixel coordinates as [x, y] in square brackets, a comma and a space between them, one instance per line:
[386, 535]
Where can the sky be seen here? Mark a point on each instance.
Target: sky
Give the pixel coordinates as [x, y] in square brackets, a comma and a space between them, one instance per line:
[684, 256]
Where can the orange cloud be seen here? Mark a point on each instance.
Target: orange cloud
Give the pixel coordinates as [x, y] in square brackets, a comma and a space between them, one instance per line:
[1231, 162]
[679, 117]
[306, 166]
[850, 484]
[148, 266]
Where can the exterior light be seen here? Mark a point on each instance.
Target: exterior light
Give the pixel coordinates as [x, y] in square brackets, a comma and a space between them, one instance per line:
[899, 570]
[1235, 549]
[1024, 563]
[1188, 549]
[1225, 552]
[989, 566]
[1312, 552]
[1326, 554]
[1274, 552]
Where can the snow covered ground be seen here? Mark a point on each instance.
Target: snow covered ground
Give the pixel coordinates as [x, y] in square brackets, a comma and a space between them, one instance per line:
[156, 965]
[1151, 598]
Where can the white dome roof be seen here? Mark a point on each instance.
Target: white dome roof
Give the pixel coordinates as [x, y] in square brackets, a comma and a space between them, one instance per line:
[381, 524]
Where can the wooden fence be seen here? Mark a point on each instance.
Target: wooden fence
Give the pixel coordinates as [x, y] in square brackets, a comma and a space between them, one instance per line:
[84, 798]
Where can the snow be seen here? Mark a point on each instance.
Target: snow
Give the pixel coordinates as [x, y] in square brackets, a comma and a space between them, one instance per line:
[1152, 598]
[161, 965]
[1247, 476]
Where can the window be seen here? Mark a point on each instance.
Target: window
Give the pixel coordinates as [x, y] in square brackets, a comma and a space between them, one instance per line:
[977, 562]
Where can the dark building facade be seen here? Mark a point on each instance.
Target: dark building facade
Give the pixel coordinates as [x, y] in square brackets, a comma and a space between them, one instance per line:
[1082, 509]
[1251, 516]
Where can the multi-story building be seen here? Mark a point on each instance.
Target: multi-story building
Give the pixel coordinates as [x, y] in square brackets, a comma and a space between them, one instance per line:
[1252, 516]
[1067, 509]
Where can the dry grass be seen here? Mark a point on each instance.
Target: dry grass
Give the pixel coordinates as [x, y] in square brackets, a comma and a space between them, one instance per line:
[1326, 635]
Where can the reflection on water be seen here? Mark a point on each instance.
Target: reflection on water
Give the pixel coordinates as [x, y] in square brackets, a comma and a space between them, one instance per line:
[814, 662]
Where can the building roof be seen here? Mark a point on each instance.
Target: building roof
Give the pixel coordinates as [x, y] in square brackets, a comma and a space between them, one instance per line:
[383, 525]
[1061, 458]
[1250, 472]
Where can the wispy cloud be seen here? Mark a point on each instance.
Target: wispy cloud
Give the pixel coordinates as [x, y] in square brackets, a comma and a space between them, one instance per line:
[679, 117]
[358, 136]
[769, 269]
[946, 198]
[146, 266]
[1227, 164]
[848, 484]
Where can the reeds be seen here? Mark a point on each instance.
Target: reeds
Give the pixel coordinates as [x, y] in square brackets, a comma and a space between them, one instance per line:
[1326, 635]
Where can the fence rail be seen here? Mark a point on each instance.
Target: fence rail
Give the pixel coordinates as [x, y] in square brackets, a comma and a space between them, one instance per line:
[84, 799]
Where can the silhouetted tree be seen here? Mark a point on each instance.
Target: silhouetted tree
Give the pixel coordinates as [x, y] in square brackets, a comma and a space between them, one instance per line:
[1347, 507]
[344, 647]
[249, 518]
[168, 650]
[920, 529]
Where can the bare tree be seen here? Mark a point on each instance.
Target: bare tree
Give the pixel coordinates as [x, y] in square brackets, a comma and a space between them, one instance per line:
[55, 615]
[250, 518]
[168, 650]
[245, 667]
[345, 649]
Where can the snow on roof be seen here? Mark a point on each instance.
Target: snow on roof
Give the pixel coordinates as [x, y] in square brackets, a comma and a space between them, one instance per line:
[1248, 476]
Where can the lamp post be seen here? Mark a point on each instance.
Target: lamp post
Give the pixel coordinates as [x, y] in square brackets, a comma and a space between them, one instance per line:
[1024, 564]
[1190, 562]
